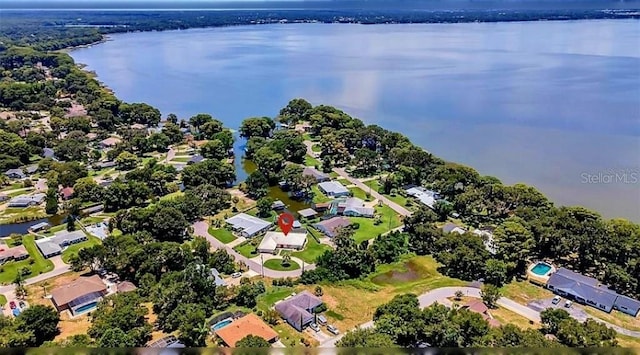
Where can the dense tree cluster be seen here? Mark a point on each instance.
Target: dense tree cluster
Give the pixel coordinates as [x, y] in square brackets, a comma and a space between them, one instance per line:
[31, 328]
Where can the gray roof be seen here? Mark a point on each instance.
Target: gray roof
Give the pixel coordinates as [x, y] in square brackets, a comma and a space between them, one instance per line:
[330, 226]
[195, 159]
[449, 227]
[582, 286]
[278, 204]
[297, 309]
[628, 303]
[31, 169]
[48, 153]
[26, 200]
[47, 247]
[320, 176]
[216, 278]
[333, 187]
[18, 172]
[39, 225]
[249, 224]
[66, 236]
[307, 212]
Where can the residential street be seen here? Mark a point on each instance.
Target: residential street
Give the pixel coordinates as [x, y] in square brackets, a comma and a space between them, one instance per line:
[201, 229]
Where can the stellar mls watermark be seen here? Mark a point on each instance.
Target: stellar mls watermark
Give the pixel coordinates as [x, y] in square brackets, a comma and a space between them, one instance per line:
[611, 177]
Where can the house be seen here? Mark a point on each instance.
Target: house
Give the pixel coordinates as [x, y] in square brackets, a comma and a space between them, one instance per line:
[278, 205]
[352, 206]
[39, 226]
[54, 245]
[331, 226]
[452, 228]
[15, 174]
[31, 169]
[79, 296]
[298, 310]
[216, 277]
[125, 286]
[250, 324]
[195, 159]
[318, 175]
[109, 142]
[48, 153]
[487, 239]
[333, 188]
[321, 206]
[426, 197]
[91, 136]
[278, 240]
[27, 201]
[92, 209]
[138, 126]
[16, 253]
[105, 164]
[477, 306]
[307, 213]
[167, 342]
[590, 291]
[66, 193]
[247, 225]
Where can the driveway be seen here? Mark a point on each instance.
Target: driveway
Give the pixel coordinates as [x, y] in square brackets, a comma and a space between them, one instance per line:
[201, 228]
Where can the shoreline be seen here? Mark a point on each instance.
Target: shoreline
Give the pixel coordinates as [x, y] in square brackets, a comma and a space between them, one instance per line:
[555, 201]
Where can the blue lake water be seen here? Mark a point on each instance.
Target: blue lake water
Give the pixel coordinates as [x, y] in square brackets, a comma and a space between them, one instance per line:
[551, 104]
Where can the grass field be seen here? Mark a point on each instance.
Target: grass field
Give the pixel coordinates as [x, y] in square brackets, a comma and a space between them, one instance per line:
[276, 264]
[73, 249]
[524, 292]
[375, 186]
[3, 300]
[311, 251]
[318, 196]
[91, 220]
[316, 148]
[223, 235]
[246, 250]
[626, 341]
[311, 161]
[171, 196]
[357, 192]
[181, 159]
[40, 265]
[368, 229]
[615, 317]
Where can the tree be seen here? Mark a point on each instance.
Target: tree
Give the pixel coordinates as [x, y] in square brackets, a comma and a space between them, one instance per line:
[495, 272]
[286, 259]
[200, 119]
[252, 341]
[257, 127]
[212, 172]
[365, 338]
[18, 281]
[222, 261]
[296, 110]
[51, 205]
[269, 162]
[256, 185]
[214, 149]
[271, 316]
[71, 223]
[116, 338]
[158, 142]
[211, 128]
[168, 224]
[264, 206]
[514, 243]
[551, 319]
[458, 295]
[126, 161]
[87, 190]
[388, 248]
[490, 295]
[463, 256]
[120, 319]
[40, 320]
[442, 209]
[318, 291]
[193, 329]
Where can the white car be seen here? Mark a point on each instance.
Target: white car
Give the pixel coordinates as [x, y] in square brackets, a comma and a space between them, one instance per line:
[333, 330]
[568, 304]
[556, 300]
[235, 275]
[315, 327]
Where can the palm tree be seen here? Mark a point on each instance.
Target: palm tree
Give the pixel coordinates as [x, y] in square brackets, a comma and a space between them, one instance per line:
[286, 259]
[20, 291]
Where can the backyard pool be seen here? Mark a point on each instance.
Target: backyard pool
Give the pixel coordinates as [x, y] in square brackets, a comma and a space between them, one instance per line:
[85, 308]
[221, 324]
[541, 269]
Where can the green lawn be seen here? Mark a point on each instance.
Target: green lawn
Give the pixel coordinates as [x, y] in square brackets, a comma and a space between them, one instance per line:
[91, 220]
[311, 161]
[311, 251]
[16, 185]
[73, 249]
[319, 196]
[246, 250]
[222, 234]
[3, 300]
[273, 295]
[375, 186]
[276, 264]
[368, 230]
[357, 192]
[18, 193]
[171, 196]
[181, 159]
[40, 265]
[316, 148]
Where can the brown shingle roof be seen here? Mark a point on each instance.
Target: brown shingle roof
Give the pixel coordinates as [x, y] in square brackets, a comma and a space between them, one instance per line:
[476, 306]
[125, 286]
[82, 286]
[247, 325]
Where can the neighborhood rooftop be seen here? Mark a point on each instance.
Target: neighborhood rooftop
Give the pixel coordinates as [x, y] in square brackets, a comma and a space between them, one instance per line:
[333, 188]
[248, 224]
[247, 325]
[82, 291]
[330, 226]
[307, 212]
[320, 176]
[273, 240]
[297, 309]
[427, 197]
[53, 245]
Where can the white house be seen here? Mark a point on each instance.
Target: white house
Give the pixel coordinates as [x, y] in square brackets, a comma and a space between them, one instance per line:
[426, 197]
[277, 240]
[247, 225]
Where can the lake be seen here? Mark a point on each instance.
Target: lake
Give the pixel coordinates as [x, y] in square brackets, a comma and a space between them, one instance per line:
[552, 104]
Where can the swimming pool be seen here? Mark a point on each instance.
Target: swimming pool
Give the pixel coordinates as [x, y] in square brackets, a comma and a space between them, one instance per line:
[222, 324]
[85, 308]
[541, 269]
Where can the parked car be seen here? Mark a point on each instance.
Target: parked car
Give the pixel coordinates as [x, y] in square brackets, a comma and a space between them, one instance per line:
[12, 305]
[556, 300]
[322, 320]
[568, 304]
[235, 275]
[315, 327]
[333, 330]
[22, 304]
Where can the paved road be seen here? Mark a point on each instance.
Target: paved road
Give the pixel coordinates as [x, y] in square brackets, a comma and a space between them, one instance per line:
[202, 229]
[394, 206]
[59, 268]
